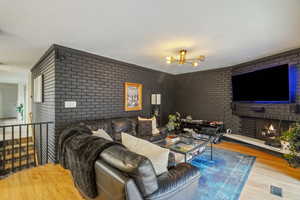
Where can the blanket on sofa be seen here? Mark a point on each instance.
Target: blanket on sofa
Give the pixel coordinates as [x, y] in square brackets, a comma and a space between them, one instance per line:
[78, 151]
[67, 135]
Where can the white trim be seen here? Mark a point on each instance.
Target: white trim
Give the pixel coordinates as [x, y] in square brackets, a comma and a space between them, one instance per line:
[256, 142]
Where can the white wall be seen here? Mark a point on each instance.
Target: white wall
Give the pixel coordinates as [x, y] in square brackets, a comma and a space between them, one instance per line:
[1, 107]
[21, 99]
[8, 100]
[28, 99]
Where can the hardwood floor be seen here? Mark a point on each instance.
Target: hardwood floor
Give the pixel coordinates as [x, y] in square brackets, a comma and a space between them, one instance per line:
[268, 170]
[51, 182]
[48, 182]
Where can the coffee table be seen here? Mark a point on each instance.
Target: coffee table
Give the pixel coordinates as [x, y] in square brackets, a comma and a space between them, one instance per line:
[188, 146]
[204, 127]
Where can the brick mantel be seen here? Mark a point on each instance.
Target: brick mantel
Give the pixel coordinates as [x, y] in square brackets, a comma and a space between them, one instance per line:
[271, 111]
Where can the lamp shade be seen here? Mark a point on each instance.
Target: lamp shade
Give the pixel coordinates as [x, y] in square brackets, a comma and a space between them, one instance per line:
[156, 99]
[153, 99]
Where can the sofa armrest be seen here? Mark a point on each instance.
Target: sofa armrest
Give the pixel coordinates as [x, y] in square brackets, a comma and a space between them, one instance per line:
[136, 166]
[178, 183]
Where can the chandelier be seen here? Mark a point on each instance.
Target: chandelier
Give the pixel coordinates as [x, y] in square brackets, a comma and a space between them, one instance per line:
[181, 59]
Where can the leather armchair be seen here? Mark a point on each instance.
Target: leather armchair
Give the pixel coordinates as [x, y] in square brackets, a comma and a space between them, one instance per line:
[124, 175]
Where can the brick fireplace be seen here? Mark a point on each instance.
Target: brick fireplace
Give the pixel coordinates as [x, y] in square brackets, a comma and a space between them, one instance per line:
[263, 129]
[263, 121]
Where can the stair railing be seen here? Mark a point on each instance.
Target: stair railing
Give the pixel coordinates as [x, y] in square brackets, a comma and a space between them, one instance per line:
[23, 146]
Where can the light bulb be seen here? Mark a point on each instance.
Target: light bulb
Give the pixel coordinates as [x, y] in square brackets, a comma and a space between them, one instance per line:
[169, 58]
[168, 62]
[183, 52]
[195, 64]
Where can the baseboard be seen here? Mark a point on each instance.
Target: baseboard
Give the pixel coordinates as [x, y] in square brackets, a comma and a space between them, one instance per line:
[8, 118]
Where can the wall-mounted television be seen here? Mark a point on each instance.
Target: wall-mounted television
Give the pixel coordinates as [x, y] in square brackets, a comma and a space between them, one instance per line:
[271, 85]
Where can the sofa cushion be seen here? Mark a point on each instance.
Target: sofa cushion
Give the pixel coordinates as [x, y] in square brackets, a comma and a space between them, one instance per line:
[155, 130]
[145, 128]
[124, 125]
[127, 125]
[138, 167]
[120, 125]
[159, 156]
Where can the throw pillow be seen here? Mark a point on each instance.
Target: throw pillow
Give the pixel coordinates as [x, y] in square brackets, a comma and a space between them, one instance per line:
[157, 155]
[103, 134]
[155, 130]
[145, 128]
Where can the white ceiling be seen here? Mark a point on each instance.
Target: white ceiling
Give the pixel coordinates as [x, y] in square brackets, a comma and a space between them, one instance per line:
[227, 32]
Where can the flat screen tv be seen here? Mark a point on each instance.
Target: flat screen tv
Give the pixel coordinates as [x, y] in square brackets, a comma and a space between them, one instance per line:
[274, 85]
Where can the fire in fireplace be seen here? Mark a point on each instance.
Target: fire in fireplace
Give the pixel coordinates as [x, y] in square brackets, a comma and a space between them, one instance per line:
[269, 131]
[272, 136]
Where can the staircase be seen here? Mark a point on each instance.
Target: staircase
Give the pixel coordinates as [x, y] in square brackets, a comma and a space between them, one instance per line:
[24, 146]
[16, 154]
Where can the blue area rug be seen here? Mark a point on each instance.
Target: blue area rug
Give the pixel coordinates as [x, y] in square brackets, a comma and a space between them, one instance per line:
[225, 177]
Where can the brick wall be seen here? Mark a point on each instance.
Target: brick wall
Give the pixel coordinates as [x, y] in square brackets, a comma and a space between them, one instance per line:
[97, 85]
[45, 112]
[207, 94]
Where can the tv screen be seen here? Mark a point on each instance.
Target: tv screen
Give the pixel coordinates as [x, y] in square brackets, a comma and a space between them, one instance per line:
[270, 84]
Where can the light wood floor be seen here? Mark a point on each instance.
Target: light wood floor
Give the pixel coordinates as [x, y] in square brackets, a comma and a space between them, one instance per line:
[51, 182]
[267, 170]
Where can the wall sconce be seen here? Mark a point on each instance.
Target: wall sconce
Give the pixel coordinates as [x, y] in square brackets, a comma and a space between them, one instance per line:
[156, 99]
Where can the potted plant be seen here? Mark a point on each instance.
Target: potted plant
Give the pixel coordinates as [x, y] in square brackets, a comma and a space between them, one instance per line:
[291, 141]
[174, 122]
[20, 110]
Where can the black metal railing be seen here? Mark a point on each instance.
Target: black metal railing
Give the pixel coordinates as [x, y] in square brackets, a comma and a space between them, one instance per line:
[24, 146]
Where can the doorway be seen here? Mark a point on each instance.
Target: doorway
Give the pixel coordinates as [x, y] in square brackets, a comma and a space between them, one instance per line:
[12, 103]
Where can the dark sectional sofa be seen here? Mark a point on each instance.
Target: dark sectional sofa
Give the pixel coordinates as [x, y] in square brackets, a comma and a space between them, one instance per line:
[114, 127]
[125, 175]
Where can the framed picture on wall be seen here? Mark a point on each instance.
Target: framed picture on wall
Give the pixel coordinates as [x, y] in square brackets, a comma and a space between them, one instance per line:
[38, 89]
[133, 96]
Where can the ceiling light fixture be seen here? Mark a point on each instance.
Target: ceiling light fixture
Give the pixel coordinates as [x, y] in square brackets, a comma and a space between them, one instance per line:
[181, 59]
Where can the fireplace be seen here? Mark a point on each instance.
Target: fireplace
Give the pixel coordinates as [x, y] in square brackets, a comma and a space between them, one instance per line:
[263, 129]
